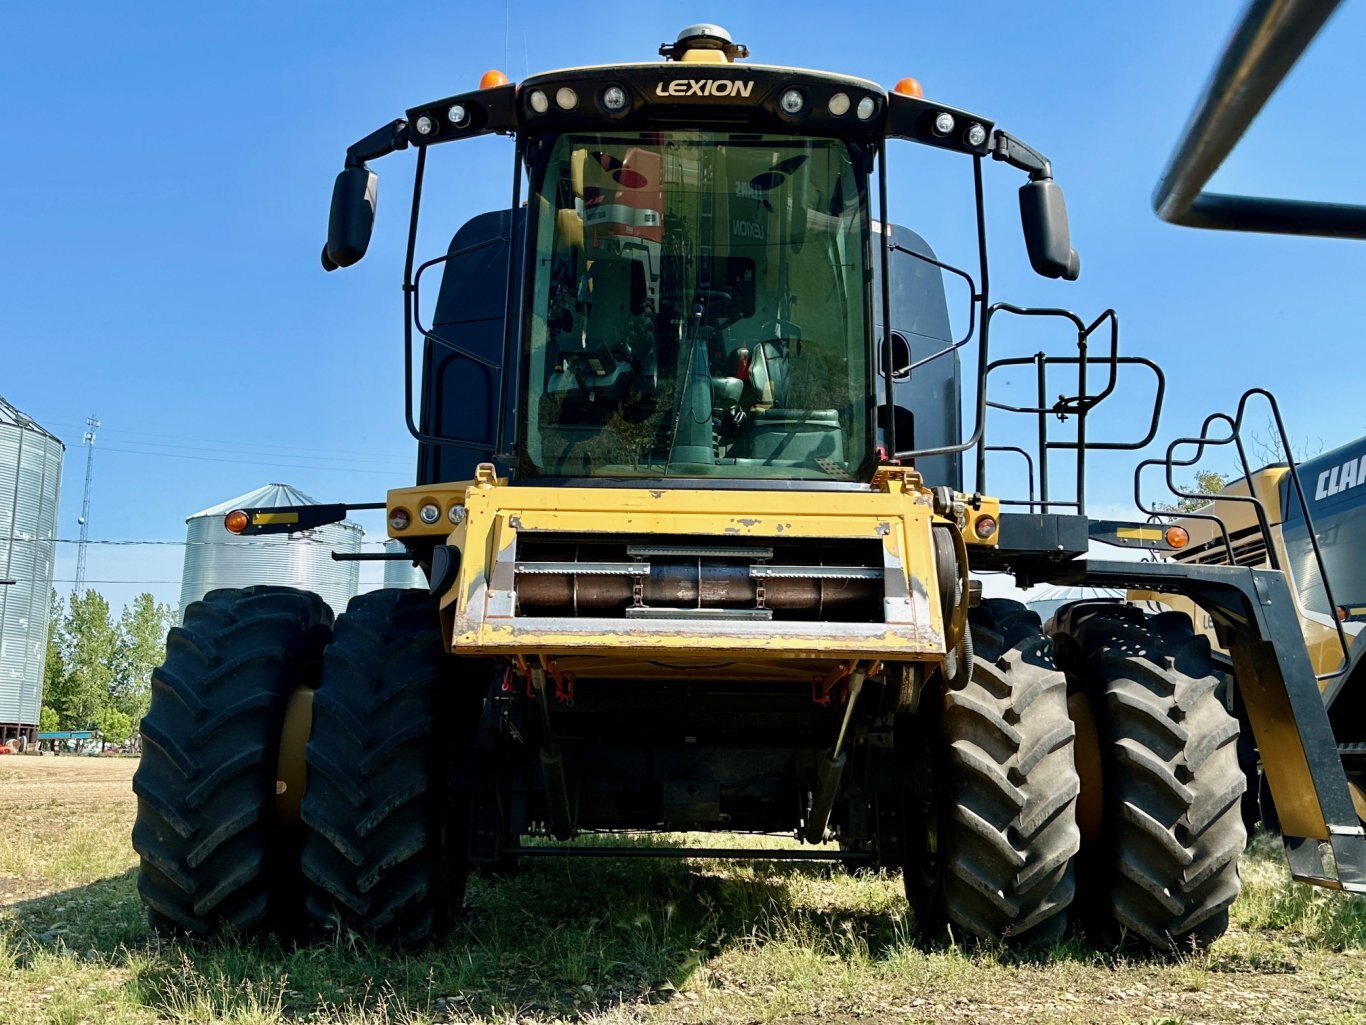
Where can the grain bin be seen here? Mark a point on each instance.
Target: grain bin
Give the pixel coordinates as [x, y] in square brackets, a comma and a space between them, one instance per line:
[30, 484]
[215, 558]
[401, 573]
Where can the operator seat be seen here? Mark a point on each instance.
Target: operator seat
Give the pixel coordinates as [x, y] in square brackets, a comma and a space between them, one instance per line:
[769, 372]
[778, 432]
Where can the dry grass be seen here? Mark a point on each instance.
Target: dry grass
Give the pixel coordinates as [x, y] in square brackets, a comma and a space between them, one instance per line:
[613, 942]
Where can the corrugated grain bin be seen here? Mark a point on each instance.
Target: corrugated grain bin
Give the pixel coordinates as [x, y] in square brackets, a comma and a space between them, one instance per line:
[30, 485]
[216, 558]
[401, 573]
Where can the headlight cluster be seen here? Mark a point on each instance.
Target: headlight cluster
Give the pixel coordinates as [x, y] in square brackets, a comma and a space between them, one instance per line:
[840, 104]
[457, 114]
[465, 114]
[790, 101]
[613, 99]
[974, 135]
[429, 513]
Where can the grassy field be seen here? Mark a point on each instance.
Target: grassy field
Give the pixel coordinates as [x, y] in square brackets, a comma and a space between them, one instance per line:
[616, 942]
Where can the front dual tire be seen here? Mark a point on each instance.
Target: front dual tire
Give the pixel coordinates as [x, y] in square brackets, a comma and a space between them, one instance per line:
[1000, 856]
[381, 848]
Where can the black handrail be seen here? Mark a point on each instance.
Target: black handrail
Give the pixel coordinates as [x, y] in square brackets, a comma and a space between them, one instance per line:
[1029, 470]
[1078, 405]
[1235, 425]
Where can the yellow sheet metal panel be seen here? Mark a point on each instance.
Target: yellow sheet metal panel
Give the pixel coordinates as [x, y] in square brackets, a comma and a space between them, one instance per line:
[1238, 517]
[481, 608]
[985, 508]
[1284, 760]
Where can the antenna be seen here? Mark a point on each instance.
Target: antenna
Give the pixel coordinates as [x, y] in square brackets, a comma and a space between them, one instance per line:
[88, 438]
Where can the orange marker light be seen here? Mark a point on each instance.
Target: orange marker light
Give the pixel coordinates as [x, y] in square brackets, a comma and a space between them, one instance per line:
[984, 527]
[909, 87]
[1177, 537]
[236, 521]
[492, 78]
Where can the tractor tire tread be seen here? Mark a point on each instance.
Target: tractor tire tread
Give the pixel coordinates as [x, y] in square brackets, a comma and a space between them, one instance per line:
[372, 852]
[1172, 778]
[205, 828]
[1012, 791]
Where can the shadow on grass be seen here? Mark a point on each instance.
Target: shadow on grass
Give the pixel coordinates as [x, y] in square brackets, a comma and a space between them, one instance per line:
[560, 938]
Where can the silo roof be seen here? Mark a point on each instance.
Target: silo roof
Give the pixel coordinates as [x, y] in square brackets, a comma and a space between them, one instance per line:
[270, 496]
[12, 417]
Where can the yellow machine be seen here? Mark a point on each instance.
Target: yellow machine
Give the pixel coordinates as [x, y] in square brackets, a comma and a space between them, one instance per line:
[1318, 539]
[691, 505]
[1309, 527]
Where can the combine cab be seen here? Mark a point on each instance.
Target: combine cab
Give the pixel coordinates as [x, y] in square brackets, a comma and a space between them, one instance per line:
[691, 505]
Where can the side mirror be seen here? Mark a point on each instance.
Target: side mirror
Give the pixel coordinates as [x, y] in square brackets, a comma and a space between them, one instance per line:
[352, 217]
[1043, 214]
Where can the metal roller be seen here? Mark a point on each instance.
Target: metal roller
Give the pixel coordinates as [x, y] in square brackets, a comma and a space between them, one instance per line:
[606, 581]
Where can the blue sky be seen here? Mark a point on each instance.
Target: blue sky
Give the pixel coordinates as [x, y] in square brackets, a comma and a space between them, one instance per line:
[170, 165]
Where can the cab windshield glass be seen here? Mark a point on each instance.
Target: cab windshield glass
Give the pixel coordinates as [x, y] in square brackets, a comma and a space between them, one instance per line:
[698, 308]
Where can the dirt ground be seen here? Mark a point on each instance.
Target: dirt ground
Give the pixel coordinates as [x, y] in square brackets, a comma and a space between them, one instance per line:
[66, 781]
[56, 798]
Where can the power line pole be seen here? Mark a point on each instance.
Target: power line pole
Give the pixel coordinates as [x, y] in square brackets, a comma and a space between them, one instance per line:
[87, 439]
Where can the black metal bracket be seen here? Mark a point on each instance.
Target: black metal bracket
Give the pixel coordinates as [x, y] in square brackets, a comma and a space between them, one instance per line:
[1021, 157]
[734, 853]
[1031, 542]
[379, 143]
[291, 519]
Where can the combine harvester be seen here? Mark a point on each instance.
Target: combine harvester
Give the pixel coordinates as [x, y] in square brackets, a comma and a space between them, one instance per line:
[690, 501]
[1303, 519]
[1318, 539]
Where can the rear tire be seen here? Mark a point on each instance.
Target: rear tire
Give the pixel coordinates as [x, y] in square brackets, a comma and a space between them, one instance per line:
[994, 857]
[213, 856]
[377, 806]
[1167, 868]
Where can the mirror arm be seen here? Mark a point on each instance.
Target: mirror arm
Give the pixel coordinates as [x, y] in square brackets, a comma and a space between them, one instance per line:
[1018, 155]
[379, 143]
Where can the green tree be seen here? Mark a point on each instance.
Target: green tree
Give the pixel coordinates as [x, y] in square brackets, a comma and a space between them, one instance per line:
[1207, 482]
[54, 667]
[88, 642]
[140, 648]
[47, 720]
[114, 726]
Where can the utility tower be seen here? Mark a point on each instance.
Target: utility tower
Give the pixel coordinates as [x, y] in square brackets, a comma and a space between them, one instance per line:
[87, 439]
